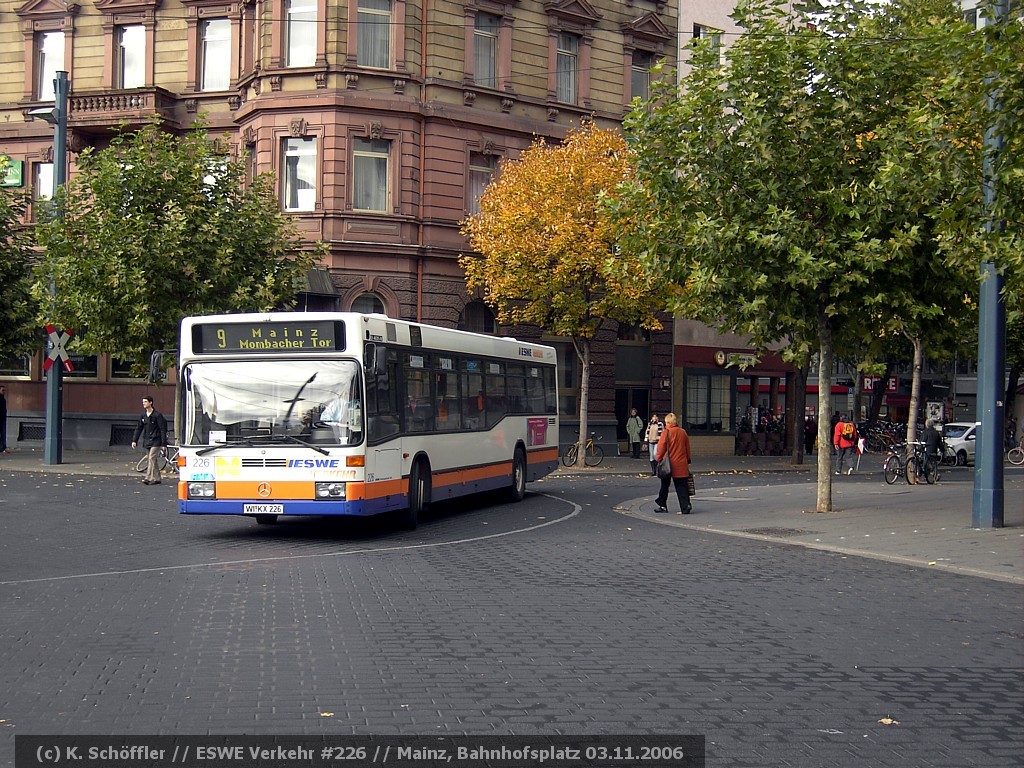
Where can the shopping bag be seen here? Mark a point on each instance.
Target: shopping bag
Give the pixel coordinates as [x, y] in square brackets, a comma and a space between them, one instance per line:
[691, 487]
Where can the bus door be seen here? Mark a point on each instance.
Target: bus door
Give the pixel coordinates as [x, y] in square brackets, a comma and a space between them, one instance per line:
[383, 463]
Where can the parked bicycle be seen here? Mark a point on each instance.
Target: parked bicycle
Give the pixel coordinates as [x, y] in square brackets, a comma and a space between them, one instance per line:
[167, 461]
[895, 465]
[1016, 455]
[594, 453]
[921, 465]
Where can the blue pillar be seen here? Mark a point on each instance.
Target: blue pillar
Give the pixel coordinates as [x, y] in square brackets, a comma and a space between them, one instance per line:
[988, 455]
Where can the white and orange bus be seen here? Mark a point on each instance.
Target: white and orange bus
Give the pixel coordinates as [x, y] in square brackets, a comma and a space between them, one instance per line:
[337, 413]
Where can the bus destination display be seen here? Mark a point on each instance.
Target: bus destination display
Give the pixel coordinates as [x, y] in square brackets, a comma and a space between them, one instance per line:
[292, 336]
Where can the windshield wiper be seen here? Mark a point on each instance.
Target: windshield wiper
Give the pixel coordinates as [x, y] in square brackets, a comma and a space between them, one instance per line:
[262, 440]
[294, 439]
[244, 441]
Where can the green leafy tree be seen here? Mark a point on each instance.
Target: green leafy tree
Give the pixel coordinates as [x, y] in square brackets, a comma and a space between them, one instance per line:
[766, 190]
[548, 247]
[19, 332]
[157, 227]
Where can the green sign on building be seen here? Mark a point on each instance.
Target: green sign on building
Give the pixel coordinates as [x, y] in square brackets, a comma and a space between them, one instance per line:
[14, 174]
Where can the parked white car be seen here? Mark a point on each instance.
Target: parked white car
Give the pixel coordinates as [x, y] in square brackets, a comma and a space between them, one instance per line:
[961, 436]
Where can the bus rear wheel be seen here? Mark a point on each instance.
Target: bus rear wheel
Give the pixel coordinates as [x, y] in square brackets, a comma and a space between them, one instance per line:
[518, 489]
[419, 495]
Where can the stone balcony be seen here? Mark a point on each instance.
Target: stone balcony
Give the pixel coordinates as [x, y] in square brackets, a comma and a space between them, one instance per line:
[94, 112]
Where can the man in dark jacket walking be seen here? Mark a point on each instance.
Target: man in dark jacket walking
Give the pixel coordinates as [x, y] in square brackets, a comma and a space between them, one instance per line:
[152, 429]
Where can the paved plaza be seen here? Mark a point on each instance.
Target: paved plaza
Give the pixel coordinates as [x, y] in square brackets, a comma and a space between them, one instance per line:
[779, 635]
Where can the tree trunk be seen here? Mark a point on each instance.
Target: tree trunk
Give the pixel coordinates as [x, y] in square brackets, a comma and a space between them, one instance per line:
[825, 352]
[1011, 391]
[582, 347]
[877, 392]
[799, 398]
[915, 389]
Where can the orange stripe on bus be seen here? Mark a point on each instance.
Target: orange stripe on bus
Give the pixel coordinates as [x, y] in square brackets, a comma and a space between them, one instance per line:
[377, 490]
[544, 454]
[279, 489]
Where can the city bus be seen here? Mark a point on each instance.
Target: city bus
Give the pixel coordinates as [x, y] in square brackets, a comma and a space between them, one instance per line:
[340, 413]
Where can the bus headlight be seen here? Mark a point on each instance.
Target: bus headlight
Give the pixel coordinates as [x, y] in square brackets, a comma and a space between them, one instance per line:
[331, 490]
[203, 490]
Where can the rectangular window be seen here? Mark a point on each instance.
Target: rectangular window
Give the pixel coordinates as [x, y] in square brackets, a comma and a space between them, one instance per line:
[85, 366]
[495, 398]
[301, 33]
[216, 55]
[373, 44]
[449, 411]
[640, 85]
[485, 50]
[566, 67]
[42, 181]
[131, 56]
[299, 174]
[700, 32]
[708, 405]
[15, 366]
[49, 61]
[370, 174]
[121, 367]
[481, 170]
[419, 412]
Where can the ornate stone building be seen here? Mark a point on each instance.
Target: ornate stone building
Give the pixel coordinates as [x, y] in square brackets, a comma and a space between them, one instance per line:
[382, 121]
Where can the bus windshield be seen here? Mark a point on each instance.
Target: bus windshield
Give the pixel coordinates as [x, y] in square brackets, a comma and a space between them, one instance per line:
[315, 401]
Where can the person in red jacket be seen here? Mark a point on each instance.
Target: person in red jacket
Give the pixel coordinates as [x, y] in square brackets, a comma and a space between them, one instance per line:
[844, 438]
[676, 443]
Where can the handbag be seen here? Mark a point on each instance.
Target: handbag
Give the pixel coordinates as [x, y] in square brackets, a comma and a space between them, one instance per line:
[664, 467]
[691, 487]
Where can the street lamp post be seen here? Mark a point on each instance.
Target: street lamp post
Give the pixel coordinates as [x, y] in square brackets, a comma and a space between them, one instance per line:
[987, 509]
[57, 116]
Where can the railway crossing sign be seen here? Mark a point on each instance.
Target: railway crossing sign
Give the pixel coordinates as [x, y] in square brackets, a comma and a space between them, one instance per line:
[58, 348]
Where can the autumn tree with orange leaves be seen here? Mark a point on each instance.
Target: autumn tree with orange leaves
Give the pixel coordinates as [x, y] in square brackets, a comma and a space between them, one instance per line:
[548, 252]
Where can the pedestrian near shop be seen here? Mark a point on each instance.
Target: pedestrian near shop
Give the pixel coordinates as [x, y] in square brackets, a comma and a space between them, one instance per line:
[635, 430]
[674, 443]
[3, 419]
[652, 435]
[152, 431]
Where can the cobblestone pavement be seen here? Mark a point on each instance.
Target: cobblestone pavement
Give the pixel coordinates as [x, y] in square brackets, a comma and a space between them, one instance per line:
[556, 615]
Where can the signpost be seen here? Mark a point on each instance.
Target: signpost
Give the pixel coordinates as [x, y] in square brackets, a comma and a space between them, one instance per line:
[57, 116]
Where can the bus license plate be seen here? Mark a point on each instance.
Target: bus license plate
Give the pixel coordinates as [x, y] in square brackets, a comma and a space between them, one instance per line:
[263, 509]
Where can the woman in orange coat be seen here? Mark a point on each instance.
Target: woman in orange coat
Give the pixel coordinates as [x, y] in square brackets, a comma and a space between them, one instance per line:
[676, 443]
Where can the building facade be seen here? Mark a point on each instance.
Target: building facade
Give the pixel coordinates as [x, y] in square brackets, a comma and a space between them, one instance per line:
[382, 121]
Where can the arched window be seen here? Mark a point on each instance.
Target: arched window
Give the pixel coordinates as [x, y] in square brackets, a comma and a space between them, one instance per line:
[478, 318]
[368, 303]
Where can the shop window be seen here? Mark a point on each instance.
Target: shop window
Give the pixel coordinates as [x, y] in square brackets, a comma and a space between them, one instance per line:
[15, 366]
[708, 405]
